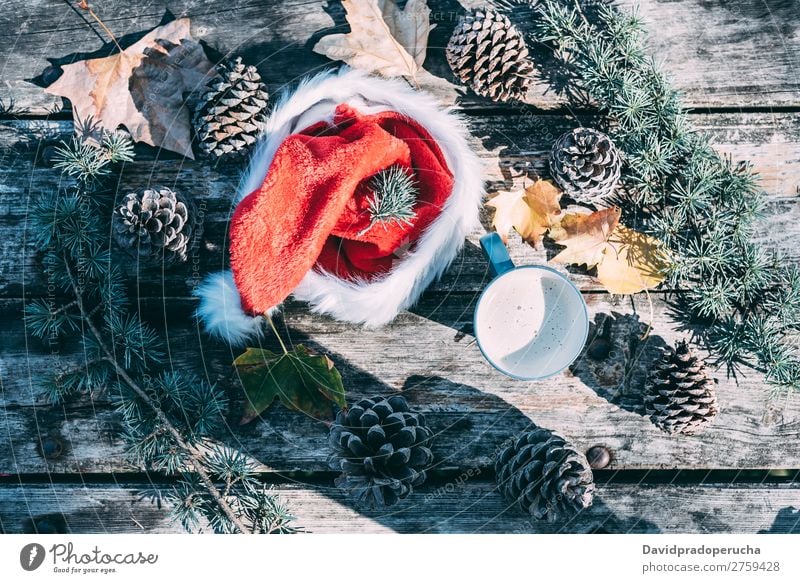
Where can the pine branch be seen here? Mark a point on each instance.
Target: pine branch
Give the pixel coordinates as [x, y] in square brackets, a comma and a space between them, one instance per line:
[166, 421]
[90, 158]
[196, 456]
[704, 207]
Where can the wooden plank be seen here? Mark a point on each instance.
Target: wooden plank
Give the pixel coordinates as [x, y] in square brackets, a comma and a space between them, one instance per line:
[722, 54]
[471, 505]
[770, 141]
[430, 356]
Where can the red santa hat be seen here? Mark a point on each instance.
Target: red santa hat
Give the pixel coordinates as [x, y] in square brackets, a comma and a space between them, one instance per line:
[301, 225]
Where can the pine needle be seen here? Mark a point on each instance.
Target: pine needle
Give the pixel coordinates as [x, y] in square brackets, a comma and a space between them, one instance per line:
[168, 417]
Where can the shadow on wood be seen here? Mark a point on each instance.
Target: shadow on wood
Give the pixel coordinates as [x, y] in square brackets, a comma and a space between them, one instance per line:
[54, 71]
[787, 521]
[468, 501]
[616, 359]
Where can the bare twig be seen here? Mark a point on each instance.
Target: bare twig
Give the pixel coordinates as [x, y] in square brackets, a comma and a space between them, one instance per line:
[63, 308]
[84, 5]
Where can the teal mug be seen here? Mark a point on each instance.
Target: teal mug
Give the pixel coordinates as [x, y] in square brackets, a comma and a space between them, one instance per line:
[531, 322]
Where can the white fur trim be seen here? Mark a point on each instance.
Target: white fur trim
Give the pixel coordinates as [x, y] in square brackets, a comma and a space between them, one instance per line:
[221, 309]
[377, 302]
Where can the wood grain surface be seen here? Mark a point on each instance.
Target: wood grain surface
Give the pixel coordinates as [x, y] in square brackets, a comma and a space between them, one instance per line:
[469, 505]
[770, 141]
[721, 53]
[430, 356]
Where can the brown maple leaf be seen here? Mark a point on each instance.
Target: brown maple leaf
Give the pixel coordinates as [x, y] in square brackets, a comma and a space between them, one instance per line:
[586, 236]
[141, 88]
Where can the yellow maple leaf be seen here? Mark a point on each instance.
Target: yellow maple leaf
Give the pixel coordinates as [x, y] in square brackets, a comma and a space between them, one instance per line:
[383, 39]
[632, 262]
[530, 212]
[509, 210]
[627, 261]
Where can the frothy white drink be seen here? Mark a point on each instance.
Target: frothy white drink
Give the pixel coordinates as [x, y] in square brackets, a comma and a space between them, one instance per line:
[531, 323]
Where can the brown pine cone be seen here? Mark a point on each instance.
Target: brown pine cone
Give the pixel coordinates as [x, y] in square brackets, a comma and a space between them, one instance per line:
[488, 53]
[545, 476]
[680, 396]
[232, 111]
[382, 448]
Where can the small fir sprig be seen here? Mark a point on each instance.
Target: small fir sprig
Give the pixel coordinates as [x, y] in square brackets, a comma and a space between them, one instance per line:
[255, 502]
[10, 108]
[703, 206]
[168, 418]
[89, 161]
[393, 198]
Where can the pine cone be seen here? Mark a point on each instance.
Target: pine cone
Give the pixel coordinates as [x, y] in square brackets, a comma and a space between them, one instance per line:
[382, 448]
[232, 110]
[545, 476]
[153, 223]
[680, 396]
[489, 54]
[586, 165]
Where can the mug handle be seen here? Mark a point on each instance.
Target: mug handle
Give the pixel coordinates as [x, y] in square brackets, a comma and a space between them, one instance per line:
[496, 253]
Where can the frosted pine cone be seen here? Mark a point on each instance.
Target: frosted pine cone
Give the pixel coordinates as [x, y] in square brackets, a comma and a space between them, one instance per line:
[586, 165]
[153, 223]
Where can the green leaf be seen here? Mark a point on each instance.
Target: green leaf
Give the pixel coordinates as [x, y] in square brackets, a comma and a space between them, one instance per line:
[302, 381]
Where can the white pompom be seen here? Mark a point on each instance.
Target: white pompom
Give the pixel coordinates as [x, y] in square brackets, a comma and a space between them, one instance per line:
[221, 310]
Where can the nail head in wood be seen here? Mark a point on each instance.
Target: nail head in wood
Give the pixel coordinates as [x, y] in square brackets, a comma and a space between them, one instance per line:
[599, 457]
[52, 448]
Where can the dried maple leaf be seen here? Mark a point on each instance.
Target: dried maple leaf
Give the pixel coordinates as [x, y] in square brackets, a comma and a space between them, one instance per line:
[383, 39]
[543, 200]
[510, 211]
[586, 236]
[141, 88]
[633, 262]
[627, 261]
[532, 212]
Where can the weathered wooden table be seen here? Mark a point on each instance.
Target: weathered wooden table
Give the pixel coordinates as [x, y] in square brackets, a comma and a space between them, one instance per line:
[739, 66]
